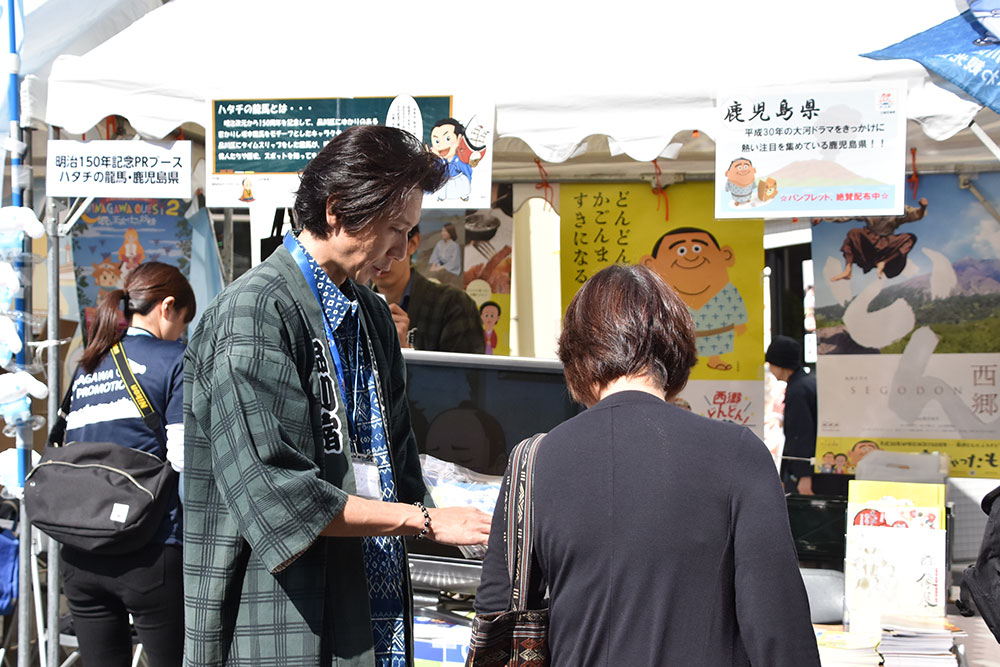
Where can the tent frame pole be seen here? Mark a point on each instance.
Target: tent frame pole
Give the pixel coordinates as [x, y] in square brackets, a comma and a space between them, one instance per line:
[52, 579]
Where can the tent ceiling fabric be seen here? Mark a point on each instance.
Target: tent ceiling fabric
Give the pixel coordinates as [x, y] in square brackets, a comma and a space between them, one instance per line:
[621, 82]
[55, 27]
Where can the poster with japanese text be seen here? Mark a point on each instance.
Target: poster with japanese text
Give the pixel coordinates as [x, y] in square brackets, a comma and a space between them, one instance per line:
[472, 250]
[801, 152]
[114, 236]
[714, 265]
[118, 169]
[258, 146]
[907, 315]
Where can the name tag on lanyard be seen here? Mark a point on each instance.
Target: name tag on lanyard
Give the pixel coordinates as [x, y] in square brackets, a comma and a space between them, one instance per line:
[366, 479]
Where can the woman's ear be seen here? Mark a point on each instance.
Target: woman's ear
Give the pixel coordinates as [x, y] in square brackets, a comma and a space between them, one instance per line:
[167, 307]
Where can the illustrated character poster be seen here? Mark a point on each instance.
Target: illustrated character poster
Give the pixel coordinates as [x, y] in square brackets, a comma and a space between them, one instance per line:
[114, 236]
[464, 141]
[471, 249]
[799, 152]
[907, 315]
[259, 146]
[714, 266]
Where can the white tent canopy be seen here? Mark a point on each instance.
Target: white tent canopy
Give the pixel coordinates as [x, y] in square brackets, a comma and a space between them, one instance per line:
[61, 27]
[624, 80]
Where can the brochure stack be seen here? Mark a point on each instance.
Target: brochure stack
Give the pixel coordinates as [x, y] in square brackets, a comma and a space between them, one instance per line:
[918, 641]
[846, 649]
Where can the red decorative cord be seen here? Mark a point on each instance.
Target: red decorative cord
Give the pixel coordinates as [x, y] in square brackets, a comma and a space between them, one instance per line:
[914, 177]
[661, 192]
[548, 192]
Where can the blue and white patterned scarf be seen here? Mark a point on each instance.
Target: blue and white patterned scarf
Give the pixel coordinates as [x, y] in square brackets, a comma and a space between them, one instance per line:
[384, 560]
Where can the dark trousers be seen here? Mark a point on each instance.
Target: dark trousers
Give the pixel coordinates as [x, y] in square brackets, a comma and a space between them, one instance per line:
[103, 590]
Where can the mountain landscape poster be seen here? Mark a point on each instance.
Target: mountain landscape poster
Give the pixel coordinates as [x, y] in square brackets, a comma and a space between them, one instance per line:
[907, 315]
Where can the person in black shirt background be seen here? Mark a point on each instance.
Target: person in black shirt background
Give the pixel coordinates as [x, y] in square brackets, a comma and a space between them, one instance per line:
[784, 356]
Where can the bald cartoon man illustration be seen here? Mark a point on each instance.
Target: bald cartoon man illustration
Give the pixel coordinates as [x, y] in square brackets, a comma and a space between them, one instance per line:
[739, 180]
[691, 261]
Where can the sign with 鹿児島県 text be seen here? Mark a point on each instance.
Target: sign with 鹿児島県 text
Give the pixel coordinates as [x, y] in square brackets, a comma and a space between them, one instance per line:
[818, 151]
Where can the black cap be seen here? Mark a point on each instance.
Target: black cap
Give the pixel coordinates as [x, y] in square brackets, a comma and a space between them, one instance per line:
[784, 352]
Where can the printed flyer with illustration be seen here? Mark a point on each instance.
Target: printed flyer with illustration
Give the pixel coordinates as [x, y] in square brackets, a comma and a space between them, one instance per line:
[907, 314]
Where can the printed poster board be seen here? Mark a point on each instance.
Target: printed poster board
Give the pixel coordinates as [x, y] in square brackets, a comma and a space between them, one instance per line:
[472, 250]
[799, 152]
[257, 147]
[609, 223]
[114, 236]
[907, 314]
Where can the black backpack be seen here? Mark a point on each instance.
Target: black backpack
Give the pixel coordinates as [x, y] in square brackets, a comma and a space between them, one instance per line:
[982, 580]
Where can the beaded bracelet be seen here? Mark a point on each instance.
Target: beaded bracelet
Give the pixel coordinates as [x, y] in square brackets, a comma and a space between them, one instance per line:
[427, 521]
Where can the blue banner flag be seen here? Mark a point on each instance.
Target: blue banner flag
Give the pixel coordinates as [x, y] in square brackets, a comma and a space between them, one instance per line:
[961, 50]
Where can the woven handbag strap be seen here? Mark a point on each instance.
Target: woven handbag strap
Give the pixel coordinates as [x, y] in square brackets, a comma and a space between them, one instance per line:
[520, 519]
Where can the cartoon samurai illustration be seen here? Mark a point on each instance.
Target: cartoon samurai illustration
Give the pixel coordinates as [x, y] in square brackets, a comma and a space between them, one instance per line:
[450, 142]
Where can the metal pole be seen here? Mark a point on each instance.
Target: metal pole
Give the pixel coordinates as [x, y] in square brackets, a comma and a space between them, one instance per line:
[227, 246]
[23, 433]
[52, 264]
[985, 139]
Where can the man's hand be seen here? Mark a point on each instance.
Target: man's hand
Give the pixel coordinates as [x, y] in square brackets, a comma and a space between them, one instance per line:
[402, 322]
[459, 526]
[805, 486]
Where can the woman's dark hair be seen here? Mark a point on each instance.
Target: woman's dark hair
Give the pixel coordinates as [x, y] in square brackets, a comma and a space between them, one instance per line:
[452, 234]
[626, 322]
[146, 285]
[363, 174]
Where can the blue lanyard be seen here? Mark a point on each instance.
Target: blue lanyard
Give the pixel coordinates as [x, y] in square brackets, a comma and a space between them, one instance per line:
[299, 255]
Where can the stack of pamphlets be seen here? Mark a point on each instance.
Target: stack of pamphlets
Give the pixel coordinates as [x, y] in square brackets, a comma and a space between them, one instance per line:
[846, 649]
[918, 641]
[896, 549]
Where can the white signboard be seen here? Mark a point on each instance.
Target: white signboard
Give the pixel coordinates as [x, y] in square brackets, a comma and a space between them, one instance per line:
[804, 152]
[123, 169]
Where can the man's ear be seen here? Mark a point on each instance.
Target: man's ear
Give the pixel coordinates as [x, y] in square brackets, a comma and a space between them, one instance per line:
[728, 255]
[331, 218]
[647, 261]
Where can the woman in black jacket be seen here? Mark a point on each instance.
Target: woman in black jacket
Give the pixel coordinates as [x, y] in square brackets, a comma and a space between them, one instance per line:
[661, 536]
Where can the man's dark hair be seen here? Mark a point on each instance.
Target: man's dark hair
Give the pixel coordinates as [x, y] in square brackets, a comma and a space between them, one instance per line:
[740, 159]
[413, 232]
[626, 322]
[490, 303]
[683, 230]
[459, 128]
[364, 174]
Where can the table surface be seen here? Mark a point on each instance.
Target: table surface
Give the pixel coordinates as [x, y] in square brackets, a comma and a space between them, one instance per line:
[981, 647]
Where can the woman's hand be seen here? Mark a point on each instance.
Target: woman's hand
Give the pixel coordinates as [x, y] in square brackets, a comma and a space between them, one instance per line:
[459, 526]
